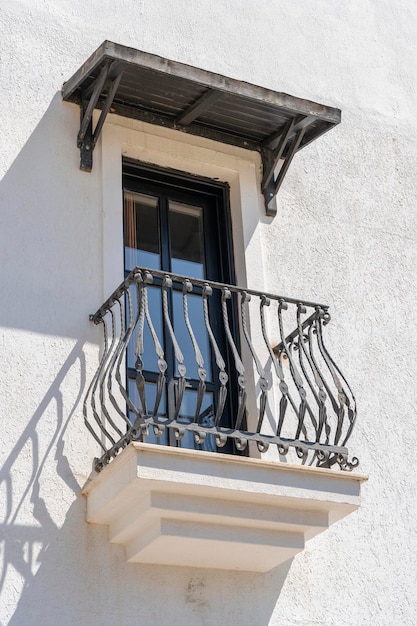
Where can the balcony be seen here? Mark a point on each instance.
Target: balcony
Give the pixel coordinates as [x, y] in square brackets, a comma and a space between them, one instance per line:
[236, 371]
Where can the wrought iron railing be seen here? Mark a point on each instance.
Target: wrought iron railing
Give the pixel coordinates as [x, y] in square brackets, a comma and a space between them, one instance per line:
[289, 394]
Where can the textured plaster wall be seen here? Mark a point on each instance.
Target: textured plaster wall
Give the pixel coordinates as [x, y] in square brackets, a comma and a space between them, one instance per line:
[345, 234]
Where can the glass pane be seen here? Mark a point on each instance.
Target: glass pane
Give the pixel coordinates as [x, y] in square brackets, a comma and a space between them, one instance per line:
[186, 232]
[149, 357]
[141, 231]
[150, 394]
[187, 412]
[196, 317]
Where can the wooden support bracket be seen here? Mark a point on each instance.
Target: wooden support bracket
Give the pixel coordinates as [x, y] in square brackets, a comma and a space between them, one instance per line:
[108, 80]
[280, 146]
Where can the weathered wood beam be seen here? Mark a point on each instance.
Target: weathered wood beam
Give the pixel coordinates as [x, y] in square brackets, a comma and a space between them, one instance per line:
[88, 113]
[300, 122]
[270, 158]
[150, 117]
[287, 162]
[199, 106]
[106, 108]
[110, 76]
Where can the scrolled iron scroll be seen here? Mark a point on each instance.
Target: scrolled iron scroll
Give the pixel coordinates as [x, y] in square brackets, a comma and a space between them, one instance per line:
[338, 378]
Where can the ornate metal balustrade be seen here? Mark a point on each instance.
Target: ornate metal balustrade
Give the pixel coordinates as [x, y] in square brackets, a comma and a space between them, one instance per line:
[288, 392]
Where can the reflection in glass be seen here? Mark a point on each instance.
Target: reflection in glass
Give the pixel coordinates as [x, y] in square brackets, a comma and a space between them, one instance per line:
[186, 233]
[207, 414]
[150, 394]
[141, 231]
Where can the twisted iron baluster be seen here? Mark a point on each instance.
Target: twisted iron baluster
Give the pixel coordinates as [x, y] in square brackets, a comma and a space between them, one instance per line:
[241, 379]
[319, 398]
[293, 346]
[321, 455]
[90, 388]
[167, 282]
[285, 394]
[223, 377]
[330, 395]
[295, 375]
[140, 323]
[263, 383]
[337, 377]
[202, 374]
[162, 364]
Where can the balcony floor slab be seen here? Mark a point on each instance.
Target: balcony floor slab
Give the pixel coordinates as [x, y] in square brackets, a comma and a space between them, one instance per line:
[184, 507]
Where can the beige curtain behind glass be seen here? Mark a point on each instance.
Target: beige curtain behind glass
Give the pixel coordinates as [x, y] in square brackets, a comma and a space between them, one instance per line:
[130, 220]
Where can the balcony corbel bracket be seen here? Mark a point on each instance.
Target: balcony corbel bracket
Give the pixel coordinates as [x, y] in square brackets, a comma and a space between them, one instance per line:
[280, 146]
[108, 80]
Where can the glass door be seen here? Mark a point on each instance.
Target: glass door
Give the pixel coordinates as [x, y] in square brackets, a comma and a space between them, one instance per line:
[177, 226]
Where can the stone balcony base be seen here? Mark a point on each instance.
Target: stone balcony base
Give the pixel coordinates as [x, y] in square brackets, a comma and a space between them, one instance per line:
[183, 507]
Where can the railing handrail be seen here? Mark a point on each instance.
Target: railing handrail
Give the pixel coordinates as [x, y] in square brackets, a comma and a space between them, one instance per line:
[131, 278]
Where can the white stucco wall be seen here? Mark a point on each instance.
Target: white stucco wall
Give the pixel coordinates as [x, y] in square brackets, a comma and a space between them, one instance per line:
[345, 234]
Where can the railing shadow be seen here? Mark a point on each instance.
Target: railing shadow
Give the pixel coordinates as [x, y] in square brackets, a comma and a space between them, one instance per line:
[25, 548]
[71, 574]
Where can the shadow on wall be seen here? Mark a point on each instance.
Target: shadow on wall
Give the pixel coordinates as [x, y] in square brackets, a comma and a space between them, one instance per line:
[26, 547]
[50, 226]
[72, 575]
[56, 569]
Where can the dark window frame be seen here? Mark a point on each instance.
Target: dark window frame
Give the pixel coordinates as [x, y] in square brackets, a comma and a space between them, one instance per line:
[145, 178]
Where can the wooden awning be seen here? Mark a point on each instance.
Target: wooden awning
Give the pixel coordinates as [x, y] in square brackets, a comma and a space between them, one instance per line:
[136, 84]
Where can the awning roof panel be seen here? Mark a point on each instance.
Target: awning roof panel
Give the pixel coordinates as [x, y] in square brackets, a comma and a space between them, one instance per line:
[143, 86]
